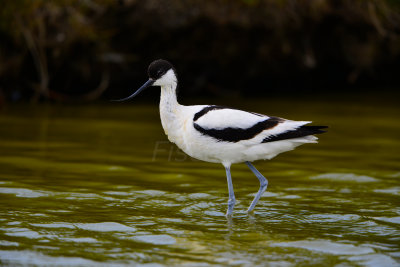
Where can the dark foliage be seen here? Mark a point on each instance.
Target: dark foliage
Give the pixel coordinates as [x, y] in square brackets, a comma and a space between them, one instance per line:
[71, 50]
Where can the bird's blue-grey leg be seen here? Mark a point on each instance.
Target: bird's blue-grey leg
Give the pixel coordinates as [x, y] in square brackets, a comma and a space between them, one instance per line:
[263, 185]
[231, 200]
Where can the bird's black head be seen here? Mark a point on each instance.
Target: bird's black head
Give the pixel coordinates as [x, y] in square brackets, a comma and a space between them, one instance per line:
[161, 73]
[158, 68]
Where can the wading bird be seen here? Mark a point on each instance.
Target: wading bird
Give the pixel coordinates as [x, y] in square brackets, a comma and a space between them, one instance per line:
[224, 135]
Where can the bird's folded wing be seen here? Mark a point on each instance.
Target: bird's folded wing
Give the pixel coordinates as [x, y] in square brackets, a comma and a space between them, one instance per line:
[232, 125]
[216, 117]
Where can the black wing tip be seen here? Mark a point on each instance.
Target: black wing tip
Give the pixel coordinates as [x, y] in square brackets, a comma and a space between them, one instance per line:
[314, 129]
[302, 131]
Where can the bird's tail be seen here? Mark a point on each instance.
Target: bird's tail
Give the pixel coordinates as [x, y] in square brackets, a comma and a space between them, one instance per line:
[305, 134]
[312, 129]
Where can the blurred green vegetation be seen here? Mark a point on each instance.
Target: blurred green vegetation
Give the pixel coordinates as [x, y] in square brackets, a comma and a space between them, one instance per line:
[70, 50]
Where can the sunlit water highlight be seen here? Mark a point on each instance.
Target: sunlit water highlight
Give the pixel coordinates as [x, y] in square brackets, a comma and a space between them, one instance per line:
[101, 185]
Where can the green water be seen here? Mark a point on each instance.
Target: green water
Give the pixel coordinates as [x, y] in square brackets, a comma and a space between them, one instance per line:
[100, 185]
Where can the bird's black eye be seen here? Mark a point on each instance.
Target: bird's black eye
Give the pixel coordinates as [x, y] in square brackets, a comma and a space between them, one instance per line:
[160, 73]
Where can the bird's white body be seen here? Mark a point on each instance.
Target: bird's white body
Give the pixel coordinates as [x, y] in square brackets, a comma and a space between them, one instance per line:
[224, 135]
[178, 123]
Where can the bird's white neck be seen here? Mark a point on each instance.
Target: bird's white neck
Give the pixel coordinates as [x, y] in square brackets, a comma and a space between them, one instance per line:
[168, 101]
[168, 84]
[170, 112]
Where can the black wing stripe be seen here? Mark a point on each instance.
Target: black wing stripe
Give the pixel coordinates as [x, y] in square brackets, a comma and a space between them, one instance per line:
[205, 110]
[299, 132]
[238, 134]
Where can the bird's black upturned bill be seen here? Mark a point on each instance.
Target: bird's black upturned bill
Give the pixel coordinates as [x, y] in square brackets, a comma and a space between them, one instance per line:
[144, 86]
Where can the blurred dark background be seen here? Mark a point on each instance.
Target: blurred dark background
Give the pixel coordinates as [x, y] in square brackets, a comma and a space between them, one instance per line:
[69, 51]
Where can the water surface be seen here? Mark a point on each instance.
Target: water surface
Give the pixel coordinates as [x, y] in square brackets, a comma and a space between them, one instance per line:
[101, 185]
